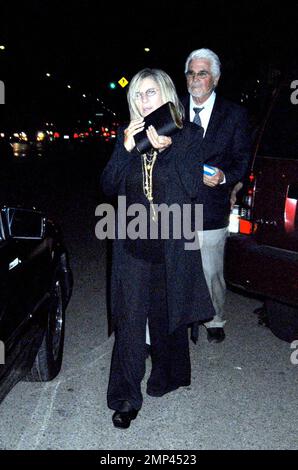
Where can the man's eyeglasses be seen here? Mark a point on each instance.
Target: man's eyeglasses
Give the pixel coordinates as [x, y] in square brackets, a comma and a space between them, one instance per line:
[201, 74]
[149, 93]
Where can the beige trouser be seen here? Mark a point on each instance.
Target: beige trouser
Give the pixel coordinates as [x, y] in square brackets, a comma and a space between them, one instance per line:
[212, 243]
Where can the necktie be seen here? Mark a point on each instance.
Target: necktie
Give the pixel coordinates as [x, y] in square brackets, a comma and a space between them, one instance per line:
[197, 119]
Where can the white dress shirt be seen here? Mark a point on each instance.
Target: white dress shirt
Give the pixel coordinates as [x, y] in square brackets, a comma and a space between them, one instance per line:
[205, 114]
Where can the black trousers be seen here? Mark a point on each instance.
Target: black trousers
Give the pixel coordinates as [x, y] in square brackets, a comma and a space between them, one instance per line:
[169, 353]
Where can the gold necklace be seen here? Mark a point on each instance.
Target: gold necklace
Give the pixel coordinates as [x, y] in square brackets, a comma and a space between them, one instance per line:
[147, 170]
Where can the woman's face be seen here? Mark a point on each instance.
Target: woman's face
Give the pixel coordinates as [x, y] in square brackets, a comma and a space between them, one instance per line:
[148, 97]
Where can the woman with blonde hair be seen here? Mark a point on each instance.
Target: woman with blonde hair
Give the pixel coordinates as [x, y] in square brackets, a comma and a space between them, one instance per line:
[153, 279]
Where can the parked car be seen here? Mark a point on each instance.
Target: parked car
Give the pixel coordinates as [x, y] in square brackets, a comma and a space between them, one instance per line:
[35, 288]
[262, 258]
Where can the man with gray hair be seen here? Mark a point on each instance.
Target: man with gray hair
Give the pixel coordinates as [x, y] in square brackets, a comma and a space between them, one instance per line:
[226, 147]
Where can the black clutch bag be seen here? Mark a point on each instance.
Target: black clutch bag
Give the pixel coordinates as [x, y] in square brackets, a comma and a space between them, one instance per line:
[166, 121]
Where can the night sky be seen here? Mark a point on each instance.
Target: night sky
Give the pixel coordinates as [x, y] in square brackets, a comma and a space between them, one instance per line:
[89, 43]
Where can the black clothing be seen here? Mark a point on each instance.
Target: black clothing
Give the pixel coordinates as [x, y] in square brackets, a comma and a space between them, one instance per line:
[170, 353]
[148, 249]
[226, 145]
[188, 298]
[155, 279]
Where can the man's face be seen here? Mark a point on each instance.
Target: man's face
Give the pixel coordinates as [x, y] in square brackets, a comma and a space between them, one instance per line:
[200, 82]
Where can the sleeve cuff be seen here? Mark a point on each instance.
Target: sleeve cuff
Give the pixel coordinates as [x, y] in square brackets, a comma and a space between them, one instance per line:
[224, 180]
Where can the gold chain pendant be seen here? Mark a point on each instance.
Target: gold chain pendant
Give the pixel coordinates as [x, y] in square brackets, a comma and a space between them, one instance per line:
[147, 170]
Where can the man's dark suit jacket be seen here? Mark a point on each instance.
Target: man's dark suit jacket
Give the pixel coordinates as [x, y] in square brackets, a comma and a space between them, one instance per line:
[226, 145]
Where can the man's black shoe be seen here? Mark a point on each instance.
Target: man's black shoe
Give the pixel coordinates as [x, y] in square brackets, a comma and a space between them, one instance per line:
[215, 335]
[122, 419]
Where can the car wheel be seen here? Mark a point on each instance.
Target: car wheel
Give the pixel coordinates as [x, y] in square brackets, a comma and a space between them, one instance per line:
[48, 361]
[283, 320]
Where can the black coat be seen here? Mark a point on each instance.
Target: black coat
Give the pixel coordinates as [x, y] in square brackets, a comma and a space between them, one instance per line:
[226, 145]
[187, 293]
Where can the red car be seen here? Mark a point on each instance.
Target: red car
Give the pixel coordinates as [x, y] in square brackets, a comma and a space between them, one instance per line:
[263, 257]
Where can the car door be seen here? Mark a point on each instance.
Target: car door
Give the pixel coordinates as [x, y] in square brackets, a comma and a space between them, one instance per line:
[276, 171]
[12, 312]
[24, 271]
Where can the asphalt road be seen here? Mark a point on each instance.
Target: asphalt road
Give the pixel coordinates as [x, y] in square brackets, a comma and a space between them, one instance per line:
[243, 393]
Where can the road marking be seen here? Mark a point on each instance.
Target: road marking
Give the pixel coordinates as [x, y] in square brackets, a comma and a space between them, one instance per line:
[40, 418]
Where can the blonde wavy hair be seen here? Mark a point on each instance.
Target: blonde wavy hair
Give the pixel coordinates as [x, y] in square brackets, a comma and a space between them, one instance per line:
[164, 83]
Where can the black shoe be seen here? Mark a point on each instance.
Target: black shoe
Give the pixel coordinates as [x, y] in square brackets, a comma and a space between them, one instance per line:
[215, 335]
[122, 419]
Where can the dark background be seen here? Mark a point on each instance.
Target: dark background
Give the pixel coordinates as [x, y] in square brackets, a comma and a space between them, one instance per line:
[90, 43]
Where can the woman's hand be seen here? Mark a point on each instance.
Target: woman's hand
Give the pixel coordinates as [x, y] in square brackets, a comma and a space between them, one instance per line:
[135, 126]
[159, 142]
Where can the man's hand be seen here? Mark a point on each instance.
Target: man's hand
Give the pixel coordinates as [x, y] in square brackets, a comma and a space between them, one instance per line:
[233, 197]
[215, 179]
[159, 142]
[135, 126]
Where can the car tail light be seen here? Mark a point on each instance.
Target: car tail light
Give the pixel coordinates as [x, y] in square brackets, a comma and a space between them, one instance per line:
[241, 215]
[291, 208]
[245, 226]
[246, 223]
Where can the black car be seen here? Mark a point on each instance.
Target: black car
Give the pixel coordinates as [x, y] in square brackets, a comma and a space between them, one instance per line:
[35, 288]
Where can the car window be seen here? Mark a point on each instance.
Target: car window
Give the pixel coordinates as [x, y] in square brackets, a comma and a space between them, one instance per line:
[280, 138]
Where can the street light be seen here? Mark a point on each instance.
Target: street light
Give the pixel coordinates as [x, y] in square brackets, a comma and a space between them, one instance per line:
[146, 49]
[2, 48]
[48, 74]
